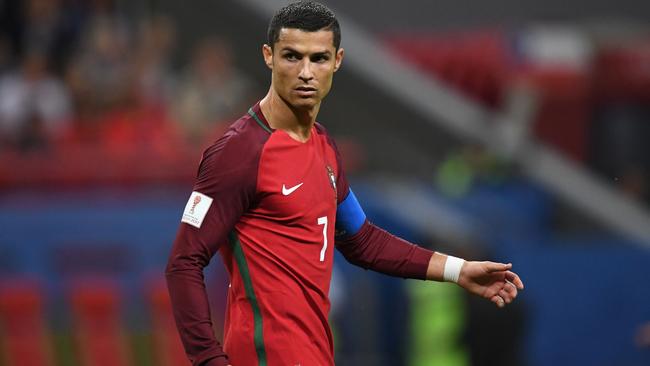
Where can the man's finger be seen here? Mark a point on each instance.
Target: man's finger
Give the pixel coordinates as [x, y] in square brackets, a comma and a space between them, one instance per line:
[498, 301]
[511, 292]
[497, 267]
[505, 296]
[512, 277]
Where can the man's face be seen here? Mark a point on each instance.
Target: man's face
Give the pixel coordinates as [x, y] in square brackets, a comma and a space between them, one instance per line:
[302, 65]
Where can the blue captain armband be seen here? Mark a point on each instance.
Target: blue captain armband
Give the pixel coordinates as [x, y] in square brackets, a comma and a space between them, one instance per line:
[349, 216]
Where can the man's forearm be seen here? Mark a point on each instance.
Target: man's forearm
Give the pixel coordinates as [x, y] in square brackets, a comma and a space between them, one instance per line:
[192, 315]
[444, 267]
[376, 249]
[436, 267]
[185, 282]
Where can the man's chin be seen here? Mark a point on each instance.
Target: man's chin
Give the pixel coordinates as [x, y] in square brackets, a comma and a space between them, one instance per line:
[305, 103]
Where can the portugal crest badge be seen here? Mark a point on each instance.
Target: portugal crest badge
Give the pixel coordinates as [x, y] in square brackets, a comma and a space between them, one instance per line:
[332, 177]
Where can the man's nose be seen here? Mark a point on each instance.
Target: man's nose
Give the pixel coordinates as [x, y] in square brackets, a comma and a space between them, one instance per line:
[305, 71]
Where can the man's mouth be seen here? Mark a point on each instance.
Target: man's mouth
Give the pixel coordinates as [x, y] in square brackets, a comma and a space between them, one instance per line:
[306, 88]
[306, 91]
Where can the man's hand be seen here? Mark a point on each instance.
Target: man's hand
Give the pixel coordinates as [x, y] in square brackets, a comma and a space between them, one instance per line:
[493, 281]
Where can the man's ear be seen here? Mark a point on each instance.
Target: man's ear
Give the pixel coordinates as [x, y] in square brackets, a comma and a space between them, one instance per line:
[267, 52]
[338, 59]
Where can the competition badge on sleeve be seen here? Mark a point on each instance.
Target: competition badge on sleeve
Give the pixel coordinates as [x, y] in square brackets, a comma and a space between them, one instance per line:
[196, 209]
[197, 200]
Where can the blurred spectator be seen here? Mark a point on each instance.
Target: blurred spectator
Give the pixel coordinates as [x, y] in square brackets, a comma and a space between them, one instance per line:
[48, 28]
[34, 105]
[5, 55]
[140, 120]
[51, 27]
[153, 74]
[11, 24]
[211, 91]
[99, 77]
[620, 149]
[469, 165]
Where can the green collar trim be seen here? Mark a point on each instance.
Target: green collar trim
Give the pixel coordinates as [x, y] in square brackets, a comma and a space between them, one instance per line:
[259, 121]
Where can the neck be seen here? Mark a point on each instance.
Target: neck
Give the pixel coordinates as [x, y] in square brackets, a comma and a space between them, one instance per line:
[282, 116]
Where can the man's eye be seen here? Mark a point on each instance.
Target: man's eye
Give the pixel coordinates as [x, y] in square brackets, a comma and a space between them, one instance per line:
[291, 57]
[320, 59]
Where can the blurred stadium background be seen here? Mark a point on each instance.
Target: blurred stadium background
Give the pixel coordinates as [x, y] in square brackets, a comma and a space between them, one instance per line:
[510, 130]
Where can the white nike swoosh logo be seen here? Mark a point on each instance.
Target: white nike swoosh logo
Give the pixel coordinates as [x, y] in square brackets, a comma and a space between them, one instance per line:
[287, 191]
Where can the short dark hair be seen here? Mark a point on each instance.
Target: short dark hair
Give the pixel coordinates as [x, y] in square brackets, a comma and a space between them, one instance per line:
[308, 16]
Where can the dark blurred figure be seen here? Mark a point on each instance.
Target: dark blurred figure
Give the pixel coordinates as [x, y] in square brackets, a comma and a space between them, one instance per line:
[10, 25]
[493, 336]
[46, 29]
[211, 91]
[619, 148]
[34, 105]
[9, 33]
[5, 54]
[51, 27]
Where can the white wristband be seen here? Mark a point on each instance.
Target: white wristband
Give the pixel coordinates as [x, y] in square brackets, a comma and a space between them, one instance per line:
[452, 268]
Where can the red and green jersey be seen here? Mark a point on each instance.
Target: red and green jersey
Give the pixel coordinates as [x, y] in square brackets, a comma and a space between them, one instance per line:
[270, 205]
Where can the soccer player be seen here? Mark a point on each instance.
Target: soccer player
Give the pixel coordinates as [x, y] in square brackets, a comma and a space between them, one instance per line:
[272, 197]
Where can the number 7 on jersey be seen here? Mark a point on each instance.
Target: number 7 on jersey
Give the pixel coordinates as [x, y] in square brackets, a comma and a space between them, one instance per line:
[323, 221]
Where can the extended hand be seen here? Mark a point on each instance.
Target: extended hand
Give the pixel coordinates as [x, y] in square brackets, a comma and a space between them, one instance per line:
[493, 281]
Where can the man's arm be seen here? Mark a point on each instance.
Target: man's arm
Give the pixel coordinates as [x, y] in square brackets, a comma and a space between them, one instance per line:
[366, 245]
[224, 189]
[186, 287]
[374, 248]
[370, 247]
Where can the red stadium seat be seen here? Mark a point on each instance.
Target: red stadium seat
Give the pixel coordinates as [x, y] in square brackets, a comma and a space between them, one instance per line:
[167, 343]
[622, 74]
[474, 63]
[100, 337]
[24, 335]
[564, 113]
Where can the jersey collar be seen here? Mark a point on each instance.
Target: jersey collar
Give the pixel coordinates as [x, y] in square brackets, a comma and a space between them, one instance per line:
[256, 112]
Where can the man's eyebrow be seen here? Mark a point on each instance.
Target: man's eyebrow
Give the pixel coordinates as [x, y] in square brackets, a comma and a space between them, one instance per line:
[321, 53]
[286, 48]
